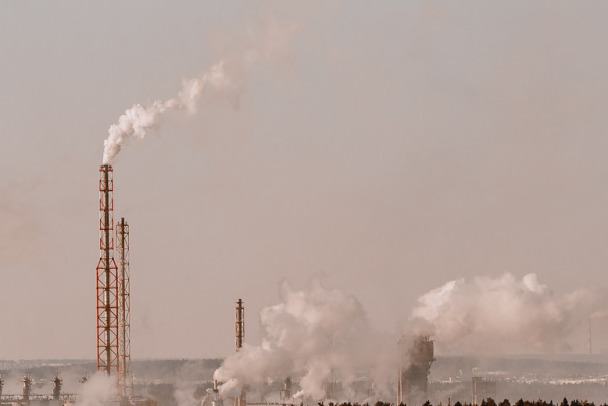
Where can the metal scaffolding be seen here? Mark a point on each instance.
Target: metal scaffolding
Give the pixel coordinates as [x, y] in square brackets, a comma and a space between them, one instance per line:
[239, 324]
[107, 278]
[125, 376]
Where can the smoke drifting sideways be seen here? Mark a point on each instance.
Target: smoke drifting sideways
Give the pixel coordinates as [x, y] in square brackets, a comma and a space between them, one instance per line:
[316, 335]
[497, 316]
[138, 119]
[223, 79]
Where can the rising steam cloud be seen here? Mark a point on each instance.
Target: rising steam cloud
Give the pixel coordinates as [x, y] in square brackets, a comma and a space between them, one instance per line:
[98, 390]
[312, 335]
[501, 315]
[315, 334]
[220, 79]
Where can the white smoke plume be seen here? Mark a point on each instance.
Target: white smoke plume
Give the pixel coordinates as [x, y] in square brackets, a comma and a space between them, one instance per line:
[186, 380]
[501, 315]
[98, 390]
[313, 335]
[221, 79]
[138, 119]
[600, 314]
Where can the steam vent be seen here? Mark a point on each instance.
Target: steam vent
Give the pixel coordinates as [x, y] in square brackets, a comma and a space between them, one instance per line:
[417, 355]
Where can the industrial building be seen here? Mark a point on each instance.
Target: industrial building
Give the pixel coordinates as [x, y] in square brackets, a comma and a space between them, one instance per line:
[113, 310]
[27, 397]
[113, 320]
[417, 355]
[113, 293]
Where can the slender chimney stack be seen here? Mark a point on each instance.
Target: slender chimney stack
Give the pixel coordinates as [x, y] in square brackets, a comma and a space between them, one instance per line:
[239, 324]
[107, 278]
[125, 376]
[286, 392]
[57, 383]
[27, 387]
[241, 400]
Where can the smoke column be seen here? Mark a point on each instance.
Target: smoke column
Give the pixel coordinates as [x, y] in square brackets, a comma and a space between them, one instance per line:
[220, 79]
[315, 335]
[501, 315]
[98, 390]
[138, 119]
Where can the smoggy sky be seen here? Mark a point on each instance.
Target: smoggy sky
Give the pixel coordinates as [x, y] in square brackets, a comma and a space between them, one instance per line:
[384, 147]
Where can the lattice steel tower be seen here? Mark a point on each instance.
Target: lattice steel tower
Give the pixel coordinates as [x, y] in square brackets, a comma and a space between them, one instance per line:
[239, 325]
[125, 376]
[107, 278]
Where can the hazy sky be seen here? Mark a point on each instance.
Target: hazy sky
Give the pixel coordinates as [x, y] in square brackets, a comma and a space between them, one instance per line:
[387, 147]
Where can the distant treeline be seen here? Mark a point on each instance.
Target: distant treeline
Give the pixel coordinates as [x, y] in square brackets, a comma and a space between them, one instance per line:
[484, 402]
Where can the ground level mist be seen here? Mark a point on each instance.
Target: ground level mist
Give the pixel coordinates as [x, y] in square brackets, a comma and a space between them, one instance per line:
[182, 382]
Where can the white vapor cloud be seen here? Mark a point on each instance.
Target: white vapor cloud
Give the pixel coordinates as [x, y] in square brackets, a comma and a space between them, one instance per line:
[98, 390]
[501, 315]
[312, 335]
[222, 79]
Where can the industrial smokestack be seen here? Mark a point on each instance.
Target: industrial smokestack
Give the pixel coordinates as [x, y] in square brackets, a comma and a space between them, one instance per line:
[125, 377]
[241, 400]
[107, 278]
[27, 387]
[417, 355]
[239, 325]
[57, 383]
[317, 334]
[286, 392]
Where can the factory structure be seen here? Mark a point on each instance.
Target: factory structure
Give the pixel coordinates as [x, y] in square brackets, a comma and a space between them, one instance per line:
[27, 397]
[112, 312]
[113, 292]
[113, 346]
[113, 323]
[239, 334]
[417, 354]
[113, 320]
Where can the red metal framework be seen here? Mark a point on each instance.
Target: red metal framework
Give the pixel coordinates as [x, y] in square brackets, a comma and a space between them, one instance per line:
[107, 278]
[239, 327]
[125, 376]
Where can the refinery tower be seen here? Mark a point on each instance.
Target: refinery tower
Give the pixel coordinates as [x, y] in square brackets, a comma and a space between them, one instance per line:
[112, 290]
